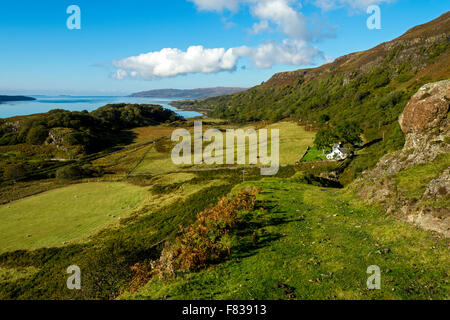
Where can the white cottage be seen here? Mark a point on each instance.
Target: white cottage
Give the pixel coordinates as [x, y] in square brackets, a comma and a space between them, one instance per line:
[337, 152]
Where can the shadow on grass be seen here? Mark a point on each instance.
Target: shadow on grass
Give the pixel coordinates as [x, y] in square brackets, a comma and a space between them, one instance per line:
[252, 232]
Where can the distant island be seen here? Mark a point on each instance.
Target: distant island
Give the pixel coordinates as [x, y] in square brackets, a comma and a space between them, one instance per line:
[15, 98]
[200, 93]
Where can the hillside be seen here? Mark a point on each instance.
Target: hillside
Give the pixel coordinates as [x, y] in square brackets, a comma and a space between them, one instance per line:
[100, 190]
[370, 87]
[200, 93]
[29, 145]
[413, 183]
[307, 242]
[291, 236]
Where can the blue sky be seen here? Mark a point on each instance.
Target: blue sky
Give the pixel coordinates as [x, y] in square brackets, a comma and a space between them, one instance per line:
[40, 55]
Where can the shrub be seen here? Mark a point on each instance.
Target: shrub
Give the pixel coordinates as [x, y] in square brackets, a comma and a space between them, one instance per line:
[37, 135]
[75, 172]
[324, 138]
[14, 172]
[205, 241]
[349, 131]
[69, 173]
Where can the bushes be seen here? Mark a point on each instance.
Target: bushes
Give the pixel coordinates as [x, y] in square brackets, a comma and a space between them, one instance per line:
[349, 131]
[75, 172]
[14, 172]
[324, 138]
[37, 135]
[69, 173]
[205, 241]
[123, 116]
[92, 131]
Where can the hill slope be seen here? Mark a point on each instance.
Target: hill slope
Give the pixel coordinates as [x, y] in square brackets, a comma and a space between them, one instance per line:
[370, 87]
[314, 243]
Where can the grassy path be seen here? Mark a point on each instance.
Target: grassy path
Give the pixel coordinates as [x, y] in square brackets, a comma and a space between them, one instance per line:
[316, 243]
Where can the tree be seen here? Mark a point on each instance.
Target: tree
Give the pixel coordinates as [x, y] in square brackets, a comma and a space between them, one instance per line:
[37, 135]
[14, 172]
[324, 138]
[349, 131]
[324, 118]
[72, 172]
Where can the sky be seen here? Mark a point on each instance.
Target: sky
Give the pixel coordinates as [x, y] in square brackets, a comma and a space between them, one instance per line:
[128, 46]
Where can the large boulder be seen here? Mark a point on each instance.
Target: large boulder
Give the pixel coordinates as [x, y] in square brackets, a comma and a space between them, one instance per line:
[427, 109]
[425, 124]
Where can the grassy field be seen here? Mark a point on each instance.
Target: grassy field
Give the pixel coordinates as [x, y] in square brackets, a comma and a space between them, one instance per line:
[314, 154]
[316, 243]
[65, 215]
[145, 134]
[170, 201]
[293, 142]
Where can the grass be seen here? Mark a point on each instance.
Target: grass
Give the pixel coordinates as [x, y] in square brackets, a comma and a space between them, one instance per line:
[65, 215]
[10, 275]
[412, 182]
[123, 161]
[106, 259]
[317, 243]
[150, 133]
[293, 142]
[314, 154]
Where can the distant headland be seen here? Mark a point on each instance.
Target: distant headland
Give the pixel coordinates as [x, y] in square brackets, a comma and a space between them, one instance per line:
[15, 98]
[200, 93]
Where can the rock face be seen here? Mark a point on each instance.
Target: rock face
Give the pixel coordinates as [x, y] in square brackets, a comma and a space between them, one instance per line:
[427, 109]
[426, 126]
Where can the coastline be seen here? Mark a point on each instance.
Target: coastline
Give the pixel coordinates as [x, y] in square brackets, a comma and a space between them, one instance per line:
[183, 105]
[5, 98]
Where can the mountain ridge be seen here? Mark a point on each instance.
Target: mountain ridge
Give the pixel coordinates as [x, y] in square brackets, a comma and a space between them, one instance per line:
[198, 93]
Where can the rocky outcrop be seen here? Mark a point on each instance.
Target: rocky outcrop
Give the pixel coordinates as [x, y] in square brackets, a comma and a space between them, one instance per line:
[427, 109]
[427, 133]
[58, 138]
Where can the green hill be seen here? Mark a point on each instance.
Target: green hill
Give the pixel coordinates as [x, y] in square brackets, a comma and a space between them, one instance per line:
[370, 87]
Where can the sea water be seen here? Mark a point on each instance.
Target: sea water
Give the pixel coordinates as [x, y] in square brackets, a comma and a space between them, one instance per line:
[79, 103]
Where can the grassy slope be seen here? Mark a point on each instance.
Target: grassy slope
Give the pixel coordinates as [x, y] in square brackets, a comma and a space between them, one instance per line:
[320, 242]
[294, 140]
[370, 87]
[65, 214]
[412, 182]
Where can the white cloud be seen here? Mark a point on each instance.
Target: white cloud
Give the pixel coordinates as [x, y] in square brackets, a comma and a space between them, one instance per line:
[260, 26]
[281, 13]
[217, 5]
[289, 21]
[196, 59]
[290, 52]
[172, 62]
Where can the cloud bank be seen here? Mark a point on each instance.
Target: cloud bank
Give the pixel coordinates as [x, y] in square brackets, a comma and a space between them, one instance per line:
[171, 62]
[283, 16]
